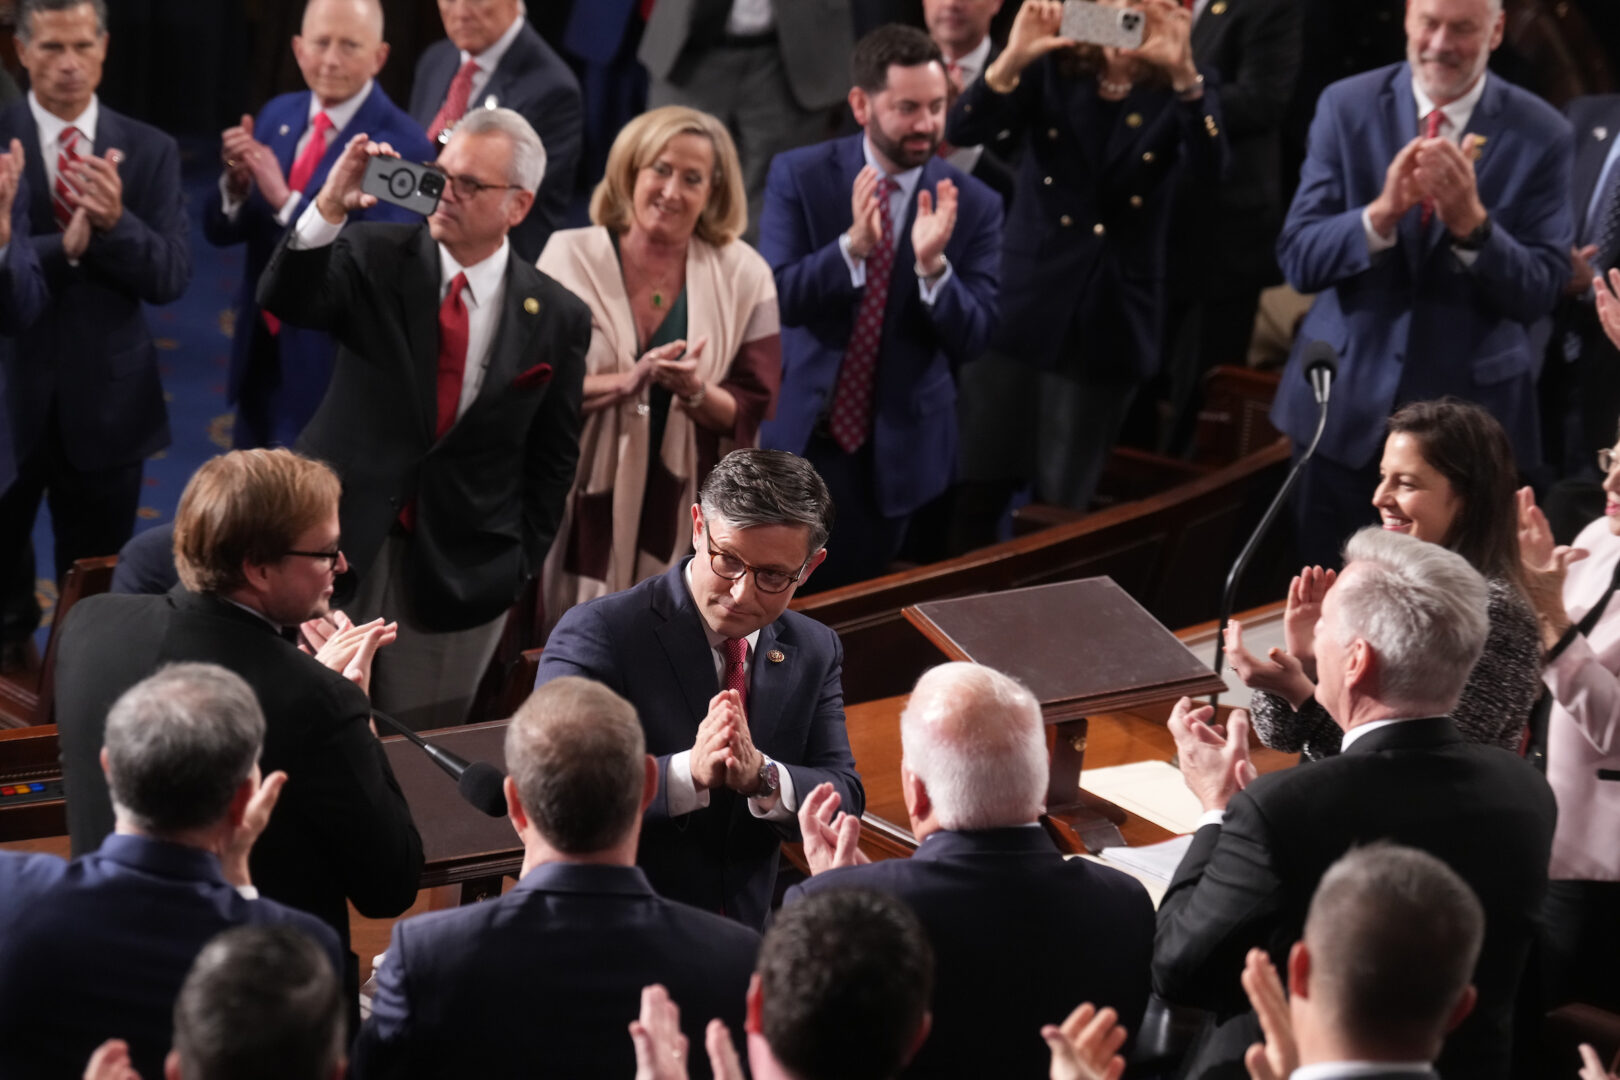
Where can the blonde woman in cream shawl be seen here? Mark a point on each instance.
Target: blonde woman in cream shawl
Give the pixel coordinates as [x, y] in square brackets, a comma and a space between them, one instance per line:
[685, 356]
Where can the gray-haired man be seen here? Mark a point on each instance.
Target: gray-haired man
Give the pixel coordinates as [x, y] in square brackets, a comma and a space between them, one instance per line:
[101, 945]
[742, 700]
[456, 435]
[1399, 633]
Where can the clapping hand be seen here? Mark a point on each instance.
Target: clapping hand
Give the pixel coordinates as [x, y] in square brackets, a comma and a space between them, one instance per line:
[1278, 1056]
[1305, 595]
[1444, 172]
[661, 1049]
[1591, 1065]
[233, 860]
[1280, 673]
[831, 839]
[1401, 191]
[866, 227]
[11, 169]
[1608, 304]
[346, 647]
[1086, 1046]
[101, 190]
[712, 749]
[1214, 760]
[111, 1061]
[1545, 567]
[246, 158]
[677, 373]
[936, 220]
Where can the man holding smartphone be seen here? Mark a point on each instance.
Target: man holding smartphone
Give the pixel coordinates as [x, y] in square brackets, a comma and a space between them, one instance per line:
[456, 434]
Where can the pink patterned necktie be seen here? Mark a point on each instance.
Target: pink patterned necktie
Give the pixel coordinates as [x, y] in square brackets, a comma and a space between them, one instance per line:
[1431, 130]
[736, 650]
[851, 416]
[455, 100]
[64, 195]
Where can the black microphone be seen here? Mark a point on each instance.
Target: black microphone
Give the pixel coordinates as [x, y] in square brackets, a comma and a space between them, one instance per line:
[1321, 364]
[479, 782]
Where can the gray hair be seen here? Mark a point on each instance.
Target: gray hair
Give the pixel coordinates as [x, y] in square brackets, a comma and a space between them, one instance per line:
[528, 166]
[1394, 934]
[575, 750]
[768, 487]
[260, 1003]
[975, 737]
[27, 8]
[179, 743]
[1421, 608]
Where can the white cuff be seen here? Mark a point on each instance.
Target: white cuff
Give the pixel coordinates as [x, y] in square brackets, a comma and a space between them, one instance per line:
[782, 806]
[1210, 817]
[930, 289]
[313, 230]
[1468, 258]
[680, 790]
[228, 203]
[857, 267]
[247, 892]
[284, 216]
[1376, 242]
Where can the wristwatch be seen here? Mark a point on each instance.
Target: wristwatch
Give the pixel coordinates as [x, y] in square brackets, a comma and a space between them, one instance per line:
[1475, 239]
[770, 780]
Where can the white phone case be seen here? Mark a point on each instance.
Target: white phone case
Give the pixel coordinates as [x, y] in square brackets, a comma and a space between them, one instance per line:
[1098, 24]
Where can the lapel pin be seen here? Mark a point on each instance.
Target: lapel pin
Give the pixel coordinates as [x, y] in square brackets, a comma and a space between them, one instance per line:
[1600, 133]
[1473, 146]
[284, 129]
[1218, 7]
[1133, 120]
[491, 103]
[532, 306]
[776, 656]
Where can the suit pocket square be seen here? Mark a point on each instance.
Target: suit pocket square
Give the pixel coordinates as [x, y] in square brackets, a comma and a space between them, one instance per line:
[538, 375]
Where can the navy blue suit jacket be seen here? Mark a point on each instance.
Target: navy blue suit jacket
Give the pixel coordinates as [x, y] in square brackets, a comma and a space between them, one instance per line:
[543, 980]
[22, 298]
[1079, 932]
[303, 357]
[1090, 219]
[914, 416]
[92, 340]
[647, 643]
[1247, 883]
[534, 81]
[97, 948]
[1414, 322]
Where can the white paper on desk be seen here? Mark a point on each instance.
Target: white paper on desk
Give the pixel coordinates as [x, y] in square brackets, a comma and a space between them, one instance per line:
[1158, 861]
[1148, 789]
[1155, 887]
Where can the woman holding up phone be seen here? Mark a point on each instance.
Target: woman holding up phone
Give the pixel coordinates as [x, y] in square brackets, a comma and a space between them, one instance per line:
[1106, 132]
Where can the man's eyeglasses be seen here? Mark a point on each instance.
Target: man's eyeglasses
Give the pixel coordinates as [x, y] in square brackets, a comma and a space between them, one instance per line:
[728, 566]
[1607, 459]
[329, 557]
[470, 187]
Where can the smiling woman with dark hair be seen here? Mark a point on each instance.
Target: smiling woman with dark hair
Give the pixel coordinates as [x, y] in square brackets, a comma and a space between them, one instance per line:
[685, 356]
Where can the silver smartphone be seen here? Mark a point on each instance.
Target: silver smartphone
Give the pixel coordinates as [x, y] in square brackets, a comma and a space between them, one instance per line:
[1100, 24]
[403, 183]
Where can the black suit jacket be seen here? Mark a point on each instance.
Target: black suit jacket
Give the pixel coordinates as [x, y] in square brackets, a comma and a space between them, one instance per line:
[532, 80]
[543, 980]
[1223, 235]
[341, 830]
[489, 495]
[1248, 882]
[89, 359]
[1021, 936]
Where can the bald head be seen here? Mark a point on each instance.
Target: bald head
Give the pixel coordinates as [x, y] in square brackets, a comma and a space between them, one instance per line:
[340, 48]
[975, 738]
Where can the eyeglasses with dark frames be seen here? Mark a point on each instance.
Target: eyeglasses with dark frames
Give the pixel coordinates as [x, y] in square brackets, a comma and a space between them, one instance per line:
[330, 557]
[728, 566]
[1607, 459]
[470, 187]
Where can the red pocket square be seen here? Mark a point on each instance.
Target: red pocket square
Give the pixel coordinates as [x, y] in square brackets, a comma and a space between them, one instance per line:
[538, 375]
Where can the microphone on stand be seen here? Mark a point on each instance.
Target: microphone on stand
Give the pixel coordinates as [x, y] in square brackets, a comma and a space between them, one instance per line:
[478, 781]
[1321, 365]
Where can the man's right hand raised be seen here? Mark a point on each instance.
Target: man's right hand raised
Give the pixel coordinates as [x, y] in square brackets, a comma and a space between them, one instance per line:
[341, 195]
[1400, 192]
[711, 748]
[867, 228]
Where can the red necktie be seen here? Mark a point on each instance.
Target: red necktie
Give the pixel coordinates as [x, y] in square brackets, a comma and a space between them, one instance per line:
[851, 417]
[644, 8]
[1431, 130]
[64, 196]
[736, 650]
[452, 353]
[455, 101]
[303, 169]
[314, 150]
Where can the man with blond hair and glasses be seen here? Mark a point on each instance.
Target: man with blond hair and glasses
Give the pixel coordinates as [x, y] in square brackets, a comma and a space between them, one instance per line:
[742, 700]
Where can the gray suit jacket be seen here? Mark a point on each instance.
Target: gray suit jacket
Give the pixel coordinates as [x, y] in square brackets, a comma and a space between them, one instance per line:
[815, 36]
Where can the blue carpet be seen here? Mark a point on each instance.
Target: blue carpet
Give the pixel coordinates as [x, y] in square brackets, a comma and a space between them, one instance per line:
[194, 341]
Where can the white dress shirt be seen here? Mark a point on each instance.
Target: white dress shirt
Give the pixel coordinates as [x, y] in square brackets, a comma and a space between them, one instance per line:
[340, 115]
[51, 127]
[970, 67]
[1453, 122]
[486, 289]
[490, 59]
[751, 17]
[899, 202]
[1350, 1070]
[679, 787]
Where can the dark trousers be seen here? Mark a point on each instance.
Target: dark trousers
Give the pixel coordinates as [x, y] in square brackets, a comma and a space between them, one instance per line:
[92, 514]
[1331, 501]
[864, 540]
[1580, 944]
